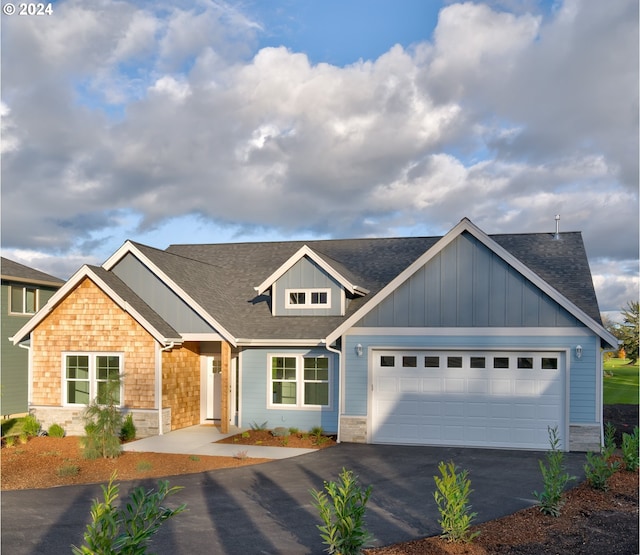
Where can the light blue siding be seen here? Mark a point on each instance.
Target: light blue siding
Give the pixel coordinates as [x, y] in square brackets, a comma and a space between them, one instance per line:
[159, 297]
[467, 285]
[582, 377]
[253, 399]
[306, 274]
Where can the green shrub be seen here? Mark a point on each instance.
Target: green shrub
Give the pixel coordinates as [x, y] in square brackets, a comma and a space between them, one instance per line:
[55, 430]
[68, 469]
[128, 430]
[103, 423]
[10, 441]
[554, 476]
[293, 430]
[599, 468]
[452, 498]
[127, 529]
[342, 509]
[259, 427]
[245, 435]
[30, 426]
[630, 448]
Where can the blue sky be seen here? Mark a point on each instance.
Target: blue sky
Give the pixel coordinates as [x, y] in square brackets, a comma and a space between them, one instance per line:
[245, 120]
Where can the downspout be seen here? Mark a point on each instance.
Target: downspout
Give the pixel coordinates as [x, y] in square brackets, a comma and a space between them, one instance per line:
[339, 400]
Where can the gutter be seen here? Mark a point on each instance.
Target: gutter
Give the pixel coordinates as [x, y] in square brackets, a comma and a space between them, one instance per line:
[339, 400]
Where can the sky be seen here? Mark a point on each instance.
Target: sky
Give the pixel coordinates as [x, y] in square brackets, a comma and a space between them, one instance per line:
[252, 120]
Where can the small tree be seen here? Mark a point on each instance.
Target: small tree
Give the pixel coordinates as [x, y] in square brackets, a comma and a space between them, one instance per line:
[452, 498]
[103, 423]
[630, 330]
[126, 530]
[342, 512]
[554, 476]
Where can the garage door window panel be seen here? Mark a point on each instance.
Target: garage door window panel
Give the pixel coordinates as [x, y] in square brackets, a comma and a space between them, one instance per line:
[409, 362]
[387, 361]
[454, 362]
[501, 363]
[525, 363]
[431, 362]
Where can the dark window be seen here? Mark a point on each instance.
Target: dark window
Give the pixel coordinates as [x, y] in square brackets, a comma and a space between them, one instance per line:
[478, 362]
[501, 362]
[549, 363]
[319, 298]
[410, 362]
[432, 362]
[525, 363]
[388, 361]
[296, 298]
[454, 362]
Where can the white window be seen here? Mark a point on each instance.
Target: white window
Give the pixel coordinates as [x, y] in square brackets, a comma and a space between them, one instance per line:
[299, 381]
[307, 298]
[23, 300]
[92, 376]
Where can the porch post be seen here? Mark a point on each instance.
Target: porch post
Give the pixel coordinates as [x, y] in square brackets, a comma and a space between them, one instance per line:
[225, 384]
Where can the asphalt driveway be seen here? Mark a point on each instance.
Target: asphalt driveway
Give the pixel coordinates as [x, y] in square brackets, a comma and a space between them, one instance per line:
[266, 509]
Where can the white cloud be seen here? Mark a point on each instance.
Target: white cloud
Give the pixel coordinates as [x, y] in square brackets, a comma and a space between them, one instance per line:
[507, 118]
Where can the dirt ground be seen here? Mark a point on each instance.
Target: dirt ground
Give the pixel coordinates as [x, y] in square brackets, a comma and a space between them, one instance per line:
[591, 523]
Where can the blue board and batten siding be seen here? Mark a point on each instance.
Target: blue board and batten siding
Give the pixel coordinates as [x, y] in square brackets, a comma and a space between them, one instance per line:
[306, 274]
[159, 297]
[466, 286]
[254, 381]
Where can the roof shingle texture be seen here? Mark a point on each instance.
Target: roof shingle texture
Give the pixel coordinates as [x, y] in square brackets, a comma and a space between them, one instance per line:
[14, 270]
[221, 277]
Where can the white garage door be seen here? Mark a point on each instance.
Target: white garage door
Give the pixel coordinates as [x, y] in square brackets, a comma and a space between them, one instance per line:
[480, 399]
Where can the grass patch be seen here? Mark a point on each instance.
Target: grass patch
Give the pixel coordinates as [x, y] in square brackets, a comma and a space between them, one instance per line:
[620, 382]
[194, 458]
[144, 466]
[68, 469]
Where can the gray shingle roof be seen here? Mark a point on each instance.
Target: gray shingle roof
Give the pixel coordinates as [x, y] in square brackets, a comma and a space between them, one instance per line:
[124, 292]
[222, 277]
[15, 271]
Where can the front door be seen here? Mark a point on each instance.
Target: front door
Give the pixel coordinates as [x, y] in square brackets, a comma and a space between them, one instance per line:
[214, 387]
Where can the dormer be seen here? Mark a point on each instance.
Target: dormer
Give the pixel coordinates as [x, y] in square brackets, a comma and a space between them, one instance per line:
[310, 284]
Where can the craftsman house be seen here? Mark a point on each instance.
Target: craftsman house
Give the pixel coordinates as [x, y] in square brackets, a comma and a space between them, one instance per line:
[24, 291]
[467, 339]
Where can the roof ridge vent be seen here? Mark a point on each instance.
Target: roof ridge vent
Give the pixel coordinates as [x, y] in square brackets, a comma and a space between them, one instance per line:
[557, 233]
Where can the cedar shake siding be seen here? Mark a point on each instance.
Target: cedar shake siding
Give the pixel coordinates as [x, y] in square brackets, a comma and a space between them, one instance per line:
[181, 384]
[87, 320]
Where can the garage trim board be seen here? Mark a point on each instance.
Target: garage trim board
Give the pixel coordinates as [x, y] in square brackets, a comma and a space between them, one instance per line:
[487, 398]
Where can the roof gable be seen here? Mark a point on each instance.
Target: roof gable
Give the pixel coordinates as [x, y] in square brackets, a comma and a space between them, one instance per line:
[118, 292]
[465, 225]
[331, 267]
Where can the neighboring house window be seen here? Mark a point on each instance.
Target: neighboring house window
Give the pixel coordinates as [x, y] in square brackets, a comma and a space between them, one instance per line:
[90, 376]
[24, 300]
[299, 381]
[308, 298]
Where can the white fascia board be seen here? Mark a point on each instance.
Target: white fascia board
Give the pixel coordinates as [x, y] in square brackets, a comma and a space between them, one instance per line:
[470, 332]
[129, 247]
[299, 254]
[466, 225]
[74, 281]
[280, 342]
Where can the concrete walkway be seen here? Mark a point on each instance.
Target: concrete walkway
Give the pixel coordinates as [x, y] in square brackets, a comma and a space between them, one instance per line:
[200, 440]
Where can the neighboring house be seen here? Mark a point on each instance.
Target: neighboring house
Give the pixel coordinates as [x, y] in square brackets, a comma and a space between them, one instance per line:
[24, 291]
[466, 339]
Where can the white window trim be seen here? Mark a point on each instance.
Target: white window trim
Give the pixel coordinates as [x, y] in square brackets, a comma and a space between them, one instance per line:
[22, 311]
[307, 292]
[300, 381]
[93, 389]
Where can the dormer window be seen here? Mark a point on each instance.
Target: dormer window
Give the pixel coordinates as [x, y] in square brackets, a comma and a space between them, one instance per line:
[308, 298]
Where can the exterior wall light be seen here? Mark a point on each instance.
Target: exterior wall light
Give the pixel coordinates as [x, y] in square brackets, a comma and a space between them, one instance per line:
[359, 350]
[579, 351]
